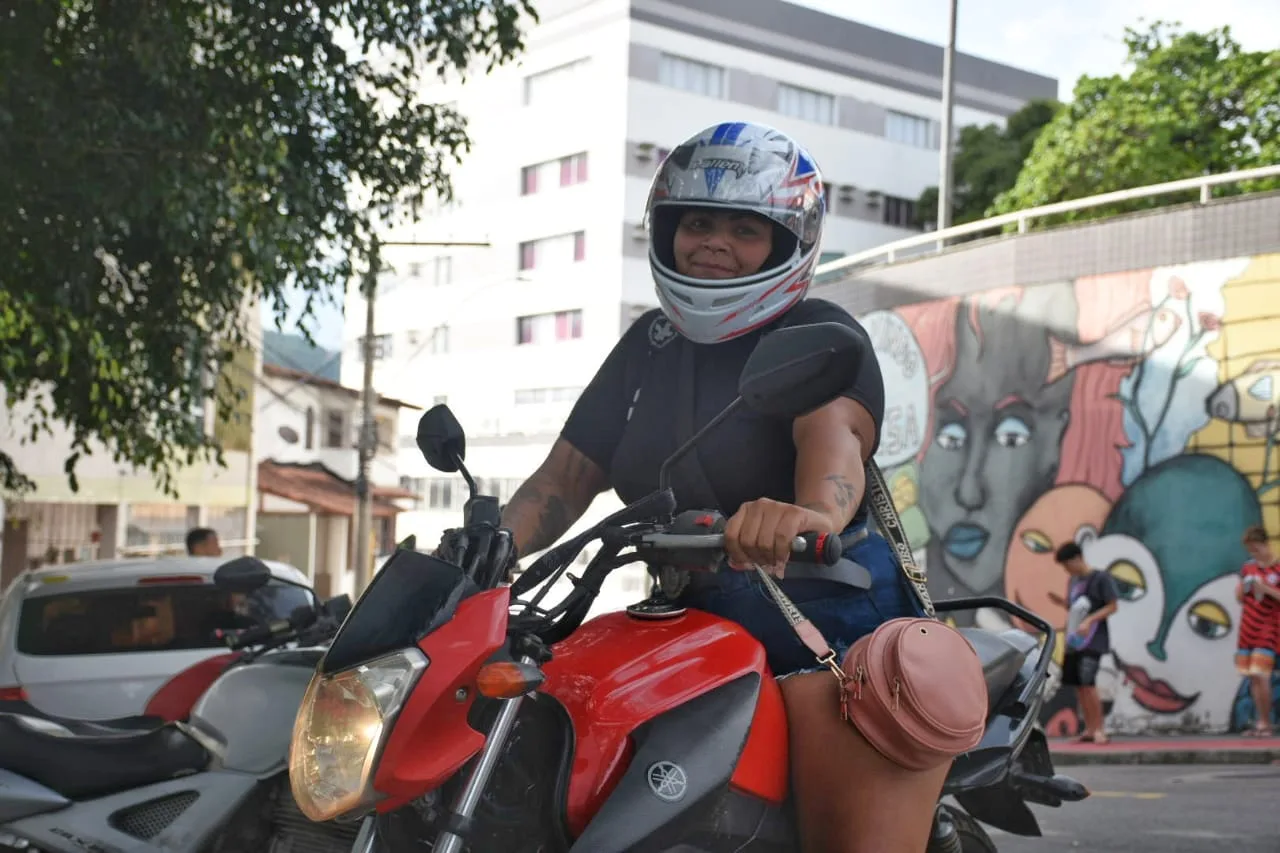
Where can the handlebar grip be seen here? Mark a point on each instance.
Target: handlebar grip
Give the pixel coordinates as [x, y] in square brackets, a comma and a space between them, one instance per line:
[821, 548]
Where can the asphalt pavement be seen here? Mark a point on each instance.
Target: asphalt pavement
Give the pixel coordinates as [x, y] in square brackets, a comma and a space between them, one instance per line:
[1162, 809]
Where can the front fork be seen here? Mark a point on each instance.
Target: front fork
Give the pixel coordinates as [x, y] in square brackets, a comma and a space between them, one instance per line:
[458, 823]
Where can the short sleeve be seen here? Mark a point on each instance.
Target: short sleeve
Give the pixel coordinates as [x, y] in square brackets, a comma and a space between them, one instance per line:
[1104, 589]
[868, 388]
[597, 421]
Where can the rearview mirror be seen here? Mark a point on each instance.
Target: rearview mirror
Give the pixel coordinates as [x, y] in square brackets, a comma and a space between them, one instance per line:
[243, 574]
[441, 439]
[797, 369]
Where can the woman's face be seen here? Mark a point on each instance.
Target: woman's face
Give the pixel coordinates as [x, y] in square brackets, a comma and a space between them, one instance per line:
[721, 243]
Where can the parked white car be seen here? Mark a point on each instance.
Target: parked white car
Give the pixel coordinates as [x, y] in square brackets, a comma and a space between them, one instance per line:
[95, 641]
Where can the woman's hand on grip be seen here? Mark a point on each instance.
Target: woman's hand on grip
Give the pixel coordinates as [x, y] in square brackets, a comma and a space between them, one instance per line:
[761, 533]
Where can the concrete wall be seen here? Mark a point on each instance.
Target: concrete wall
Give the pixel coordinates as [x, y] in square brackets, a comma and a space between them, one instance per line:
[1069, 385]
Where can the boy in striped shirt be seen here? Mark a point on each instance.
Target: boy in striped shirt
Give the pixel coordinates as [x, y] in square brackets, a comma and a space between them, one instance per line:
[1259, 595]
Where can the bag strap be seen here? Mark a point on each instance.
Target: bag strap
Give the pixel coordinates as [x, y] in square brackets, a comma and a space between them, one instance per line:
[885, 513]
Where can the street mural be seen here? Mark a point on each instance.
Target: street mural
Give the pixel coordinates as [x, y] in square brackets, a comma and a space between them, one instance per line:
[1134, 413]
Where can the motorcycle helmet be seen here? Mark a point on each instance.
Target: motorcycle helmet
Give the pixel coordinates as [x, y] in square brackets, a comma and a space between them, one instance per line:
[738, 166]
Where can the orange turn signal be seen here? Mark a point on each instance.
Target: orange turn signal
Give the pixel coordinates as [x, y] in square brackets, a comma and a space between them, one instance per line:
[508, 679]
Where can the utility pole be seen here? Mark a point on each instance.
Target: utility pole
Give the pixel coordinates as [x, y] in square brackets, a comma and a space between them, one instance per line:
[368, 440]
[367, 445]
[945, 177]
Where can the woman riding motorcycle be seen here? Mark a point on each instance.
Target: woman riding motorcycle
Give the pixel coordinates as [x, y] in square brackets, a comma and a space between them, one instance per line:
[735, 218]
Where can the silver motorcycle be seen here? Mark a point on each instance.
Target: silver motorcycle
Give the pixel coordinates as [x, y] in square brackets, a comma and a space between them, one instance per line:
[216, 783]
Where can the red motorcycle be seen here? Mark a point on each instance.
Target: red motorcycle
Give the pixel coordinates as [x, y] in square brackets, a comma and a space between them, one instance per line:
[452, 715]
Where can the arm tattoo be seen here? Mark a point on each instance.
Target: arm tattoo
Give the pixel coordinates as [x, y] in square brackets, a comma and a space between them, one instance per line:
[846, 493]
[548, 503]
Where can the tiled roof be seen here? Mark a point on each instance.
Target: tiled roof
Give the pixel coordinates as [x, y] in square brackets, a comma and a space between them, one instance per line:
[322, 490]
[320, 382]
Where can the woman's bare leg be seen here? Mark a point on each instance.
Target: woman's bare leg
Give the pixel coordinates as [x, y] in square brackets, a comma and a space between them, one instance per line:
[849, 798]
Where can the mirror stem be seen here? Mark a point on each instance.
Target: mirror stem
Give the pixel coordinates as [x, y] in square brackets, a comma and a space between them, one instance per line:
[466, 475]
[664, 473]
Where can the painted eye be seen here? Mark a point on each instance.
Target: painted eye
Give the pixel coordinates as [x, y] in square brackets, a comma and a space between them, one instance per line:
[952, 436]
[1131, 584]
[1012, 432]
[1209, 619]
[1036, 542]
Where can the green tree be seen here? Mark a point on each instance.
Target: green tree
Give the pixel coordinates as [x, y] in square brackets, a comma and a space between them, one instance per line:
[987, 161]
[162, 162]
[1192, 104]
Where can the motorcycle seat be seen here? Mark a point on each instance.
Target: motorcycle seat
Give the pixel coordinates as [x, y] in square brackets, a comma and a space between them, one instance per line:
[118, 726]
[84, 765]
[1001, 661]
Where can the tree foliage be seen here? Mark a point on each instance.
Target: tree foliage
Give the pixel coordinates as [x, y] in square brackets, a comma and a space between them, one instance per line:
[162, 162]
[987, 161]
[1192, 104]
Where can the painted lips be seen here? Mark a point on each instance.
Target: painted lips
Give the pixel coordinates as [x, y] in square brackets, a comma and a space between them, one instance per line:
[1154, 694]
[965, 541]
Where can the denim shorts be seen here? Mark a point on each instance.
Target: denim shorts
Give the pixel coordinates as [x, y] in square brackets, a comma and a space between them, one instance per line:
[842, 613]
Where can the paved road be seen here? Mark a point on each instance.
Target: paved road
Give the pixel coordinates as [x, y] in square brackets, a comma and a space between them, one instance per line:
[1163, 809]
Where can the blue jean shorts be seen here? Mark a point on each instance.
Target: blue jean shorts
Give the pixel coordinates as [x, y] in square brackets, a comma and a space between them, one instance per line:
[842, 613]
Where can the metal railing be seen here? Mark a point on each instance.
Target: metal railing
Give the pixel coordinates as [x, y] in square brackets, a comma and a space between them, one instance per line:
[888, 253]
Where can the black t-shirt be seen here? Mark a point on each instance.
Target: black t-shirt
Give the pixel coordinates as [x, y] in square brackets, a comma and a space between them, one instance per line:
[625, 420]
[1100, 589]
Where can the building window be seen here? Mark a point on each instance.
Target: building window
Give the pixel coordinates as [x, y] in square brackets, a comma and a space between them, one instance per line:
[573, 169]
[335, 429]
[690, 75]
[381, 347]
[909, 129]
[440, 493]
[900, 212]
[439, 340]
[554, 84]
[546, 328]
[415, 270]
[311, 428]
[566, 171]
[549, 252]
[537, 396]
[806, 104]
[443, 270]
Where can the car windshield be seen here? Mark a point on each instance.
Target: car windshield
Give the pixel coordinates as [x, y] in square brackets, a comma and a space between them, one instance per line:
[148, 618]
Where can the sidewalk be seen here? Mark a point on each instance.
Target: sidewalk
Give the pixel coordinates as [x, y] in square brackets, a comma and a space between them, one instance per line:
[1168, 749]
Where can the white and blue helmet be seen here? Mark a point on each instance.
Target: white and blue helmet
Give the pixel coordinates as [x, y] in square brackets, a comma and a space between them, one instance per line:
[739, 166]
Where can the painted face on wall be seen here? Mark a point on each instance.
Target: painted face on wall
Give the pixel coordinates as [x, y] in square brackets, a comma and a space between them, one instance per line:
[1153, 649]
[1174, 561]
[1031, 576]
[996, 439]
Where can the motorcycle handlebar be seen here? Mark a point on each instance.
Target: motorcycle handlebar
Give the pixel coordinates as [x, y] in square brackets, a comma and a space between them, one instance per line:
[300, 619]
[821, 548]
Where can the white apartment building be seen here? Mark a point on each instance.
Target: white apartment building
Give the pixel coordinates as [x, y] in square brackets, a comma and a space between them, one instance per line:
[565, 143]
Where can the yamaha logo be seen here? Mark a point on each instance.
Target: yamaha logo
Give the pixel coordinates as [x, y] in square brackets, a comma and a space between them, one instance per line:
[661, 332]
[668, 781]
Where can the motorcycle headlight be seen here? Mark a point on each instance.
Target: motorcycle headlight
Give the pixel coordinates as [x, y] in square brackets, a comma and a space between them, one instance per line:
[340, 729]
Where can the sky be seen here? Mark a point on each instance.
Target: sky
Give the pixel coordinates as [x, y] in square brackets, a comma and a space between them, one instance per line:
[1058, 38]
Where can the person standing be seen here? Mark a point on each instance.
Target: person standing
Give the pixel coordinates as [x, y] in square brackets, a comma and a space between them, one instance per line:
[1091, 598]
[1259, 642]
